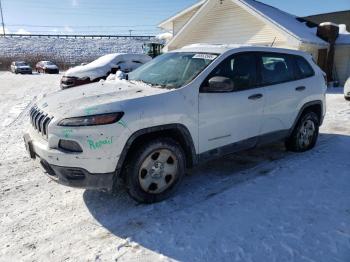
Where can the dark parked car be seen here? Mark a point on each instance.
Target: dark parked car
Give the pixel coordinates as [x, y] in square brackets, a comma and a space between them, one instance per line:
[46, 67]
[20, 67]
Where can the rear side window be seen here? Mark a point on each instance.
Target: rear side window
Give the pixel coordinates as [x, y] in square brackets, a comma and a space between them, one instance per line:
[276, 68]
[303, 68]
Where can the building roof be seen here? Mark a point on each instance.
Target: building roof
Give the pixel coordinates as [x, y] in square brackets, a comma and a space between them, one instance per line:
[340, 17]
[286, 22]
[166, 23]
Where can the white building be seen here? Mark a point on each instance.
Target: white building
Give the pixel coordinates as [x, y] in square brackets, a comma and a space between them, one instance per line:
[252, 22]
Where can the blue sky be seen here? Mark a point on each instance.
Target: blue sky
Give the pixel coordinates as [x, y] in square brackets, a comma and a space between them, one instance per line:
[120, 16]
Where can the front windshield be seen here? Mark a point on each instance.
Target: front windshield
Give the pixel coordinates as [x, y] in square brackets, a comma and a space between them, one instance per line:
[172, 70]
[48, 63]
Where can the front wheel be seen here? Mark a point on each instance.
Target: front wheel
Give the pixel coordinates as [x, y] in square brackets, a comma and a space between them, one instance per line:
[155, 170]
[305, 133]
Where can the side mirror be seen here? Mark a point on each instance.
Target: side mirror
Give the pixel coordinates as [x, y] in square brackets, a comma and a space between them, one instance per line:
[219, 84]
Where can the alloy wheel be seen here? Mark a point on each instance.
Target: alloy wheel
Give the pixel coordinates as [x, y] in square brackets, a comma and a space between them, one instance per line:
[306, 133]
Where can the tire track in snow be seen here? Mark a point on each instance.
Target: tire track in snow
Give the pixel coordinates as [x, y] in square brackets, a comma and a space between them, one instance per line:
[23, 112]
[13, 136]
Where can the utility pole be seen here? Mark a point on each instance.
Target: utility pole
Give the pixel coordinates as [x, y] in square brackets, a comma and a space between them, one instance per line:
[2, 20]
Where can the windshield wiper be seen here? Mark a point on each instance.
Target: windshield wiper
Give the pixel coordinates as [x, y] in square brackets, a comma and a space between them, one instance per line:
[150, 84]
[140, 81]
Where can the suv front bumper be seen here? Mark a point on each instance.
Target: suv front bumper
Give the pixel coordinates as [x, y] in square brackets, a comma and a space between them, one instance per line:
[78, 177]
[70, 176]
[68, 82]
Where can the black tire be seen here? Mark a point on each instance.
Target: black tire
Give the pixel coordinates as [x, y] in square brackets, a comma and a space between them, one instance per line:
[134, 173]
[347, 98]
[296, 142]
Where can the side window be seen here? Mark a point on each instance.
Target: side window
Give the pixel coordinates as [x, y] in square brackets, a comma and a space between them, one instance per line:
[303, 68]
[241, 69]
[276, 68]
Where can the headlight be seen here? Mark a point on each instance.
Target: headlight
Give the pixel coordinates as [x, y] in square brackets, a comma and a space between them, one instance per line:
[94, 120]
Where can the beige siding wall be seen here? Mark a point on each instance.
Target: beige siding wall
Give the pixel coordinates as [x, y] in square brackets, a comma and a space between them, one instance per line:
[181, 21]
[228, 23]
[311, 49]
[342, 63]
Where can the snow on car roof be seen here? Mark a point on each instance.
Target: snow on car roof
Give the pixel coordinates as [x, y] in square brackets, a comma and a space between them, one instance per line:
[222, 48]
[210, 48]
[106, 59]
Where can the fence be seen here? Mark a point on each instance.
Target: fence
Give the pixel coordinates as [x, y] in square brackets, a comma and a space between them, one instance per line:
[66, 50]
[145, 37]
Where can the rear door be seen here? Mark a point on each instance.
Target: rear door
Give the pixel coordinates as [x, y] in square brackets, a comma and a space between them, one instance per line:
[283, 92]
[231, 117]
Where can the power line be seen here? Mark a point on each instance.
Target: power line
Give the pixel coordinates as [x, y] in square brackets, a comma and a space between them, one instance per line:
[2, 20]
[75, 32]
[80, 26]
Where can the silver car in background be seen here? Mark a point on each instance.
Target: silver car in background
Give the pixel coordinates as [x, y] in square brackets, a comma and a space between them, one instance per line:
[20, 67]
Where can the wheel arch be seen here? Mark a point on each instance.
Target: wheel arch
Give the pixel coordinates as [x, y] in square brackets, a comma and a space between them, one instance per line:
[314, 106]
[178, 132]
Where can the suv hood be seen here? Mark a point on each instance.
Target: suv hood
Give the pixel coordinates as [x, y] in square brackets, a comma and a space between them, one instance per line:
[98, 98]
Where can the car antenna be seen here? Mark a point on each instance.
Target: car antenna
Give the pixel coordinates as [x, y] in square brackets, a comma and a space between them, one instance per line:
[273, 42]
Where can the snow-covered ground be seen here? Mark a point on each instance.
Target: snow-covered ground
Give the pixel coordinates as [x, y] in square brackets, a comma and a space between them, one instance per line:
[261, 205]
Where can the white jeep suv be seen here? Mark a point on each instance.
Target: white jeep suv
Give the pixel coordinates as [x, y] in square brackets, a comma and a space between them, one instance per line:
[180, 109]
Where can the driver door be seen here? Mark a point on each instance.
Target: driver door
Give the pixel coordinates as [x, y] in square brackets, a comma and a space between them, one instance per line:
[231, 121]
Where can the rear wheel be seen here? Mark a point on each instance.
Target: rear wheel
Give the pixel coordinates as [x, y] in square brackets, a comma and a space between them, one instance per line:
[347, 98]
[155, 170]
[305, 133]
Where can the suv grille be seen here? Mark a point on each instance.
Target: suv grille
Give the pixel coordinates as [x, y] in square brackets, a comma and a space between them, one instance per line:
[39, 120]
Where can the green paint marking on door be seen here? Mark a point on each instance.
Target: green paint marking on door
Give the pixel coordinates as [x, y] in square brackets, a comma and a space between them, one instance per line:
[98, 144]
[122, 123]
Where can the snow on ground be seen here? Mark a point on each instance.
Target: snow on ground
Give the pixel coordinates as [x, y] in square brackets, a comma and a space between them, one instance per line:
[261, 205]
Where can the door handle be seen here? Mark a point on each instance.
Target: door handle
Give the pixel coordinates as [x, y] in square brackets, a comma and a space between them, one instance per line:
[255, 97]
[300, 88]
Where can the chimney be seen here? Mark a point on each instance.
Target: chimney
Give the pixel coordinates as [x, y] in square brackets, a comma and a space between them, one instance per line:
[329, 32]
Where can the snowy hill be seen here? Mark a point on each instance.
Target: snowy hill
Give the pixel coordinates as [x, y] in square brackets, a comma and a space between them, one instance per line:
[64, 51]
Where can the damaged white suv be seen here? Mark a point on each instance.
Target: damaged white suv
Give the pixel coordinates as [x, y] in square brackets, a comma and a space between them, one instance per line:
[182, 108]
